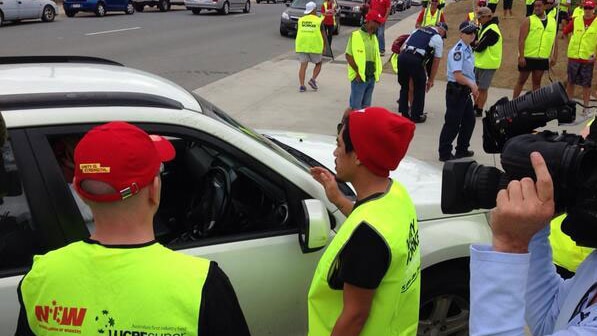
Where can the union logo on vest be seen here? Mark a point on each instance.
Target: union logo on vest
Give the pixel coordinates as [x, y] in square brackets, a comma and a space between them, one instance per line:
[58, 318]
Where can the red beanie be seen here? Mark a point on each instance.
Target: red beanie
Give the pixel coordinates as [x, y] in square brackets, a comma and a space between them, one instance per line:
[380, 138]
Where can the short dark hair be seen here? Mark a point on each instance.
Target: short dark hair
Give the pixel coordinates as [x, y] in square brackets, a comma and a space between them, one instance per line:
[348, 146]
[542, 1]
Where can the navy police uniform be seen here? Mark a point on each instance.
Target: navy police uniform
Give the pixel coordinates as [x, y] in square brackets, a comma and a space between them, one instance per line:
[460, 117]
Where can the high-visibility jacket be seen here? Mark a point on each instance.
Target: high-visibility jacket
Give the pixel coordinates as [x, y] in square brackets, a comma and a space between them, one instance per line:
[395, 306]
[566, 253]
[325, 8]
[394, 62]
[430, 19]
[578, 11]
[583, 42]
[360, 58]
[529, 2]
[491, 57]
[84, 288]
[493, 1]
[308, 35]
[539, 41]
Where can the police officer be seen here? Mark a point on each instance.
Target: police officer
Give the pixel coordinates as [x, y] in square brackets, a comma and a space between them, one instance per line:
[423, 44]
[120, 281]
[367, 282]
[460, 93]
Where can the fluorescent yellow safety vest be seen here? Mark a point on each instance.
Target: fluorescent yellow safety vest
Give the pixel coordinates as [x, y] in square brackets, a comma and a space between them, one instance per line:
[358, 54]
[491, 57]
[430, 19]
[493, 1]
[565, 252]
[583, 42]
[395, 306]
[89, 289]
[578, 11]
[471, 16]
[540, 40]
[325, 7]
[308, 35]
[394, 62]
[529, 2]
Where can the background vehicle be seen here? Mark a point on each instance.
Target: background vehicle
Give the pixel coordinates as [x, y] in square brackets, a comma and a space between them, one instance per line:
[296, 10]
[256, 186]
[403, 5]
[163, 5]
[351, 11]
[16, 10]
[99, 7]
[222, 6]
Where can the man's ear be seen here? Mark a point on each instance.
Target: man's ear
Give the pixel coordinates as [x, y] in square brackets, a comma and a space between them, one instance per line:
[154, 191]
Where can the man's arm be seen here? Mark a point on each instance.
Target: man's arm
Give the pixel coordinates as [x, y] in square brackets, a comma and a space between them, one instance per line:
[419, 19]
[328, 181]
[23, 328]
[522, 36]
[489, 39]
[355, 312]
[354, 66]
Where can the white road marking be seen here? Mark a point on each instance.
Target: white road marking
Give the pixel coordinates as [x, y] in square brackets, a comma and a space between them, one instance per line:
[112, 31]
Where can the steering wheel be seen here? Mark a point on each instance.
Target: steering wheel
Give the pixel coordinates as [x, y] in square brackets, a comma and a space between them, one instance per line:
[215, 201]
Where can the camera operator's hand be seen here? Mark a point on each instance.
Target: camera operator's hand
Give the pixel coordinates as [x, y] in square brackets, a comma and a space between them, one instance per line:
[522, 210]
[521, 61]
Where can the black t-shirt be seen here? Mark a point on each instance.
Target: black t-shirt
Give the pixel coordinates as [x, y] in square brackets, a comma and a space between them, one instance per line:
[365, 258]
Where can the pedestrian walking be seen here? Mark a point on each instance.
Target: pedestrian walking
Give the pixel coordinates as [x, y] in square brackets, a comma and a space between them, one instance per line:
[120, 280]
[488, 55]
[329, 10]
[423, 45]
[309, 45]
[461, 90]
[364, 61]
[383, 8]
[367, 281]
[537, 47]
[581, 54]
[430, 16]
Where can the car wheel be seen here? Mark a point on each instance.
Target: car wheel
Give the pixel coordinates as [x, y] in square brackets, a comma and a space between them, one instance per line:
[100, 10]
[70, 13]
[139, 7]
[283, 31]
[445, 301]
[196, 11]
[130, 9]
[225, 8]
[247, 8]
[164, 5]
[48, 14]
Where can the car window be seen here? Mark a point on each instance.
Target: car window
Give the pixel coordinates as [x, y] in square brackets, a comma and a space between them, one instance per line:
[303, 3]
[18, 243]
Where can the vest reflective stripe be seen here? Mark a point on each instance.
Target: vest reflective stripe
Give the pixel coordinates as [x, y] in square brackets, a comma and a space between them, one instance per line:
[540, 40]
[358, 54]
[308, 35]
[394, 62]
[430, 19]
[148, 289]
[325, 7]
[565, 252]
[491, 57]
[395, 306]
[583, 42]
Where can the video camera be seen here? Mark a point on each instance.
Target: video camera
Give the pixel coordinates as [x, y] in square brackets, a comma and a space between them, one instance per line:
[571, 161]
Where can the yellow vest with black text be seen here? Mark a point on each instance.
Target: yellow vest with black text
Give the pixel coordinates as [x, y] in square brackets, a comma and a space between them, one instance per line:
[566, 253]
[491, 57]
[583, 42]
[430, 20]
[358, 54]
[90, 289]
[325, 7]
[308, 35]
[540, 40]
[395, 306]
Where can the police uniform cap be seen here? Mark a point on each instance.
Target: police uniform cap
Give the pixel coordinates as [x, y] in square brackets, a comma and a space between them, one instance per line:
[468, 27]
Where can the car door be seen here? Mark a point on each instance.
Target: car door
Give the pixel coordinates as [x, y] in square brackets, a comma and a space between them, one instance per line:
[30, 9]
[258, 248]
[10, 9]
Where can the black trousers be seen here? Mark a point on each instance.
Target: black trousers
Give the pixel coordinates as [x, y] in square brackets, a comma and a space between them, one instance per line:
[329, 32]
[459, 120]
[411, 66]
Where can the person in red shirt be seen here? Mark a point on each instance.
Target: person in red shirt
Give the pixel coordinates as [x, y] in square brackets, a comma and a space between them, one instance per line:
[328, 8]
[423, 20]
[580, 67]
[382, 7]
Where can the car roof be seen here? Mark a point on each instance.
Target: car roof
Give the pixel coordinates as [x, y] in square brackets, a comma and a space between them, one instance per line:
[34, 77]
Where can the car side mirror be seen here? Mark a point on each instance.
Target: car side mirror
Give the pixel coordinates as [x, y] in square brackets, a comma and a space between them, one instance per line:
[315, 229]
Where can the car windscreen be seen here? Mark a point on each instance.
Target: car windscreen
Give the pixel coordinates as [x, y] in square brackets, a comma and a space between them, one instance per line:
[302, 4]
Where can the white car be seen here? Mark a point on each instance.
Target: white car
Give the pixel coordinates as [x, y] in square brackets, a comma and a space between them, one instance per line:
[233, 195]
[16, 10]
[222, 6]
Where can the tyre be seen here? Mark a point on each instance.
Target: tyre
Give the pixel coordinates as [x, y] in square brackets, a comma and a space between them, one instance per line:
[70, 13]
[247, 8]
[100, 10]
[445, 300]
[225, 9]
[139, 7]
[130, 9]
[283, 31]
[48, 14]
[164, 5]
[196, 11]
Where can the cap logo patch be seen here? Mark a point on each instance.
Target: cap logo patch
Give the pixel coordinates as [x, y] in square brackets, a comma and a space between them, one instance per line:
[93, 168]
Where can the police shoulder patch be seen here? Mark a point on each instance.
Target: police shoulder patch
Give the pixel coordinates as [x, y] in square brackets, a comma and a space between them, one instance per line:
[457, 55]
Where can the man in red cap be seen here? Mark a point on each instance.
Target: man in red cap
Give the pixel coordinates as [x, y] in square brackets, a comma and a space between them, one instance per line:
[383, 8]
[368, 280]
[120, 280]
[364, 61]
[472, 16]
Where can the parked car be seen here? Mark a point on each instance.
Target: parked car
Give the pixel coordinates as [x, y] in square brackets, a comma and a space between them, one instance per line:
[267, 223]
[351, 11]
[296, 10]
[163, 5]
[403, 5]
[16, 10]
[99, 7]
[222, 6]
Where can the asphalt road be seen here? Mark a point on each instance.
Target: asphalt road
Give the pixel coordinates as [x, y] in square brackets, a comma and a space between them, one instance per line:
[191, 50]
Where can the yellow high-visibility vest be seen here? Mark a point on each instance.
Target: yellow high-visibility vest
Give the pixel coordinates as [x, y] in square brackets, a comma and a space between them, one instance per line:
[583, 42]
[308, 35]
[430, 19]
[394, 62]
[540, 40]
[566, 253]
[491, 57]
[360, 58]
[578, 11]
[325, 8]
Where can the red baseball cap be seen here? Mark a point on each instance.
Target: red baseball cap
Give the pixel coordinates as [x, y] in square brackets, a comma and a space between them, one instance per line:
[589, 4]
[373, 15]
[122, 156]
[380, 138]
[482, 3]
